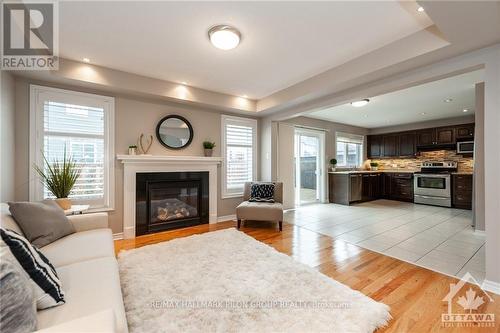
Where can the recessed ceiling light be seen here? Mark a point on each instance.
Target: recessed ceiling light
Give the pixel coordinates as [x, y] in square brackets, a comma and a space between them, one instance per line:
[224, 37]
[366, 116]
[420, 9]
[86, 60]
[465, 110]
[184, 82]
[423, 113]
[244, 96]
[448, 100]
[360, 103]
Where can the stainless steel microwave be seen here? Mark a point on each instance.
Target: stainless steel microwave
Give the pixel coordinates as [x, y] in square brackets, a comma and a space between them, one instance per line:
[465, 147]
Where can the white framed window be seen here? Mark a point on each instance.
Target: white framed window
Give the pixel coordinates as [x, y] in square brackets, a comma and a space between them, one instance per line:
[239, 152]
[349, 149]
[82, 125]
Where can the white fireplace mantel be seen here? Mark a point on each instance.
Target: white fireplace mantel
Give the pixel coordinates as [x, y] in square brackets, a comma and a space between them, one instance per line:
[134, 164]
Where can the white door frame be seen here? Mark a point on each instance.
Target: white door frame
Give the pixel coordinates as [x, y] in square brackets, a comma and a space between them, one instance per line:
[321, 177]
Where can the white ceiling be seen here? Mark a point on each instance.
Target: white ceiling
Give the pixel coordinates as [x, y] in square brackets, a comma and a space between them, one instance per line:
[282, 44]
[407, 106]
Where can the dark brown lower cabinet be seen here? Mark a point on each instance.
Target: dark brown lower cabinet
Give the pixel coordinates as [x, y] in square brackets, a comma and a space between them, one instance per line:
[462, 191]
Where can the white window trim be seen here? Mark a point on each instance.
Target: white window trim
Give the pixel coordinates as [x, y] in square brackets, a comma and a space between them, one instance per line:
[39, 93]
[357, 137]
[247, 122]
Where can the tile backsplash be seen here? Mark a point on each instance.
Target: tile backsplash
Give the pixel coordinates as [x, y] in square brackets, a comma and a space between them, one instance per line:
[465, 164]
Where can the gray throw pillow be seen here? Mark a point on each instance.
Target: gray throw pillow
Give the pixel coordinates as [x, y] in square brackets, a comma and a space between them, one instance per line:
[18, 310]
[41, 222]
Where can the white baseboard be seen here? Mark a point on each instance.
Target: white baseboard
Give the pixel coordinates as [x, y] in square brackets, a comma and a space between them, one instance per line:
[226, 218]
[118, 236]
[491, 286]
[480, 232]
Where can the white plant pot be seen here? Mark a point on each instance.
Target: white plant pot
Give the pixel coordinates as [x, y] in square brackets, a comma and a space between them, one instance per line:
[132, 151]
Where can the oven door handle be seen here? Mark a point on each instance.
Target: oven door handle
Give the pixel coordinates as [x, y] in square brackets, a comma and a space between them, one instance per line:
[428, 197]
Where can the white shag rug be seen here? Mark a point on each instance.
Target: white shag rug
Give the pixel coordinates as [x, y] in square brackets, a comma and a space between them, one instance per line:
[226, 281]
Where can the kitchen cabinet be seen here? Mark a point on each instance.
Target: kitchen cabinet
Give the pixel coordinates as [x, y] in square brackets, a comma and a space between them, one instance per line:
[374, 146]
[426, 137]
[344, 188]
[390, 145]
[445, 136]
[465, 131]
[407, 144]
[462, 190]
[398, 186]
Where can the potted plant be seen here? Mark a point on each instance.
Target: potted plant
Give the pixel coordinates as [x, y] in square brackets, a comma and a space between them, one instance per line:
[374, 166]
[333, 164]
[59, 178]
[208, 148]
[132, 150]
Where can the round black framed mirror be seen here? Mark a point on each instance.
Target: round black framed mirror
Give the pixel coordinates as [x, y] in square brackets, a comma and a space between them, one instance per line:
[174, 132]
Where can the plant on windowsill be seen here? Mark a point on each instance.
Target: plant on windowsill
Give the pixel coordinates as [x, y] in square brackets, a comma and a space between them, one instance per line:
[333, 164]
[208, 147]
[374, 166]
[59, 178]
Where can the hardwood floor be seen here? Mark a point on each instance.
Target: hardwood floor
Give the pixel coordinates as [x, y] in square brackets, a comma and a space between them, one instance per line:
[414, 294]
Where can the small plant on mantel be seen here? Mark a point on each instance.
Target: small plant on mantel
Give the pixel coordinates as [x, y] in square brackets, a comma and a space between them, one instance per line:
[333, 163]
[59, 178]
[208, 147]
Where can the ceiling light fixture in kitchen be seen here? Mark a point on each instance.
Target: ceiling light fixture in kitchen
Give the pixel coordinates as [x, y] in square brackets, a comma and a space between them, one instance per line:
[420, 9]
[465, 110]
[224, 37]
[360, 103]
[448, 100]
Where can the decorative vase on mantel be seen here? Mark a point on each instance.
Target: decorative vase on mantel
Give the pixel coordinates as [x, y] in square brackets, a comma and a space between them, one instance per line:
[208, 148]
[208, 152]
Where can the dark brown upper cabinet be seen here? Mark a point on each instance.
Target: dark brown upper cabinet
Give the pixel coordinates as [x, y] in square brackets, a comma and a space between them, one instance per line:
[464, 131]
[407, 144]
[426, 137]
[374, 146]
[445, 136]
[390, 145]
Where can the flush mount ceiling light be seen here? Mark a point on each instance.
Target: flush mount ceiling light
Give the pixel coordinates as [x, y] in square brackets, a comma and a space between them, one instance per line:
[360, 103]
[448, 100]
[87, 60]
[465, 110]
[224, 37]
[420, 9]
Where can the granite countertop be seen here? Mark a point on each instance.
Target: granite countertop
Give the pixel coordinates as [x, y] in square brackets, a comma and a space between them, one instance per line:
[463, 173]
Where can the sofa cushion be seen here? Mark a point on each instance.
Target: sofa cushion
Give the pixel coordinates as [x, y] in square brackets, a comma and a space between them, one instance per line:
[91, 286]
[42, 222]
[18, 310]
[7, 221]
[80, 246]
[260, 211]
[42, 275]
[262, 192]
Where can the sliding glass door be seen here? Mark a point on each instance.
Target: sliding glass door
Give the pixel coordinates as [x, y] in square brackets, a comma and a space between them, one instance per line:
[309, 166]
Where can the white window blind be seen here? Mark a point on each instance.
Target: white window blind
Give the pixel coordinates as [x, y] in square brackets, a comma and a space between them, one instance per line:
[239, 151]
[349, 149]
[80, 125]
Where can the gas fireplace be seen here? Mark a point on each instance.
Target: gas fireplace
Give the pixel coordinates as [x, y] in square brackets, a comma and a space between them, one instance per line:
[170, 200]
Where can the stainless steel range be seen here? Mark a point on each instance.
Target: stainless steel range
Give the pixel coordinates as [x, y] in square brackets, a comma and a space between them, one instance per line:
[432, 185]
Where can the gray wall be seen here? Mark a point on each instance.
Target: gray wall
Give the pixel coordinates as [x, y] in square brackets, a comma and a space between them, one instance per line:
[132, 117]
[479, 159]
[7, 137]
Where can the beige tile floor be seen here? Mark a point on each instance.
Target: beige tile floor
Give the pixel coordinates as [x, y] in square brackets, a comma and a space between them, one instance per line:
[437, 238]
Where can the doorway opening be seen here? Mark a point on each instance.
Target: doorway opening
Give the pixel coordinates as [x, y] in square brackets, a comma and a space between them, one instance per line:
[309, 166]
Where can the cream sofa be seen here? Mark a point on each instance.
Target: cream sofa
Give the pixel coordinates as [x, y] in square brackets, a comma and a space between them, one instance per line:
[86, 265]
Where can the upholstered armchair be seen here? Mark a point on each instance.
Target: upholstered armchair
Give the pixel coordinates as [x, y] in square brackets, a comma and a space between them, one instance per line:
[261, 211]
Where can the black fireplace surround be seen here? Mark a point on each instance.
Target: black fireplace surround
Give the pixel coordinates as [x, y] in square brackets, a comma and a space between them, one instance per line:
[170, 200]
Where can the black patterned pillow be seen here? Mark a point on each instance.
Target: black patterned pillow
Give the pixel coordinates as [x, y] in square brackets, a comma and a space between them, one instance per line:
[41, 273]
[262, 192]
